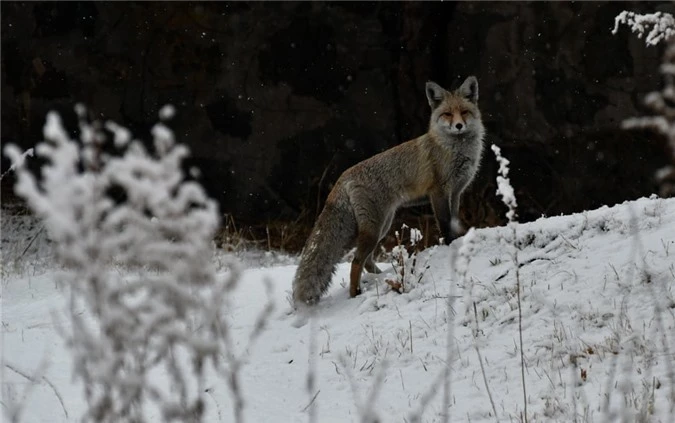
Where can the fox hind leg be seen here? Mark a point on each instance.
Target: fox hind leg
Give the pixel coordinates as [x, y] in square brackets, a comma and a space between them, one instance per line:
[365, 244]
[370, 265]
[355, 279]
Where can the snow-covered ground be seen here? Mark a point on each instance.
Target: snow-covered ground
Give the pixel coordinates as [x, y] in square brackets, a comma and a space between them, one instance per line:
[598, 330]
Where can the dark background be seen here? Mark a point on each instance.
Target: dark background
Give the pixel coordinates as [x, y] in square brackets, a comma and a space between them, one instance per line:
[276, 99]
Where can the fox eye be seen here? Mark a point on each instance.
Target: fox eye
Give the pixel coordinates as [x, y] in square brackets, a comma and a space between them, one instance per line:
[447, 114]
[465, 112]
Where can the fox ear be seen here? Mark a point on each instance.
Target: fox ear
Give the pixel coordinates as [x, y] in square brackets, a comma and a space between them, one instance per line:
[434, 94]
[469, 89]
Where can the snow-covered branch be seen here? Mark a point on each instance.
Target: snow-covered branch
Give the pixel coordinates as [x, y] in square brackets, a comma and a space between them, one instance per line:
[19, 158]
[657, 26]
[504, 187]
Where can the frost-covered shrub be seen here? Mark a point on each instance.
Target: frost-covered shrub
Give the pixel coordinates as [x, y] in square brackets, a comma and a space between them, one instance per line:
[506, 191]
[408, 271]
[658, 27]
[141, 343]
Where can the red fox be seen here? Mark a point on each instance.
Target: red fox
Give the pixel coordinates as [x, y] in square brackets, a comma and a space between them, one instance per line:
[435, 167]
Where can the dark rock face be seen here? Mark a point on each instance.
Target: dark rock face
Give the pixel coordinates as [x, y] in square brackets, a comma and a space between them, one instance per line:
[276, 99]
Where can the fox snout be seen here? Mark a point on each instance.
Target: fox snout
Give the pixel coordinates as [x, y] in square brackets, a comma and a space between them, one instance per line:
[454, 122]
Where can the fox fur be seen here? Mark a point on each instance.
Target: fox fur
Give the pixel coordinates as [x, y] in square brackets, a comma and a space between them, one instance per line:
[434, 167]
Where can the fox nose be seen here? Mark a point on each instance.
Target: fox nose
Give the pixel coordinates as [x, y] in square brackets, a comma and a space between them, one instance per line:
[459, 126]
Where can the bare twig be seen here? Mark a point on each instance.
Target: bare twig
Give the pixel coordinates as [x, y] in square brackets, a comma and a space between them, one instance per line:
[411, 337]
[480, 360]
[311, 371]
[447, 371]
[220, 415]
[34, 380]
[520, 323]
[42, 228]
[506, 191]
[311, 402]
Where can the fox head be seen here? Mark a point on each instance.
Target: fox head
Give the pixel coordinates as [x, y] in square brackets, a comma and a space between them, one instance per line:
[455, 113]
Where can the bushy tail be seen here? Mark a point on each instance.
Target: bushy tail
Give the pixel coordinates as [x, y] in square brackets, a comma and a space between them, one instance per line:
[333, 233]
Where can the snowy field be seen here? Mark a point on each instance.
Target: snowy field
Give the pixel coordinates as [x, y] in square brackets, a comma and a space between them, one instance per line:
[598, 329]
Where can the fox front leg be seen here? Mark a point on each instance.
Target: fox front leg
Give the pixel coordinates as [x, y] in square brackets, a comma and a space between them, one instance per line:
[441, 205]
[455, 224]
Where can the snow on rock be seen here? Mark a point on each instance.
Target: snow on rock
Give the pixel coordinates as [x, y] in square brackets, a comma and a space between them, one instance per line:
[598, 306]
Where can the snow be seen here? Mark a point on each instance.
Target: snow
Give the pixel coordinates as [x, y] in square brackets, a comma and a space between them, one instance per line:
[167, 112]
[598, 310]
[121, 135]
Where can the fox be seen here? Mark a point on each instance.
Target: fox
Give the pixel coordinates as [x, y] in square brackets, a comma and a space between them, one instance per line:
[433, 168]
